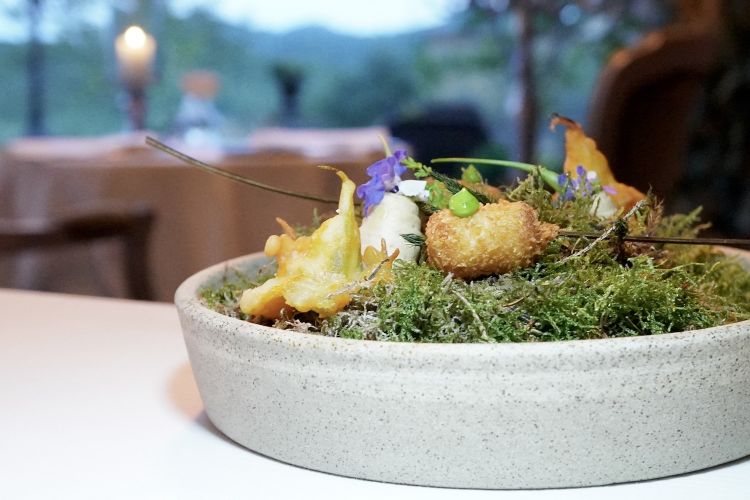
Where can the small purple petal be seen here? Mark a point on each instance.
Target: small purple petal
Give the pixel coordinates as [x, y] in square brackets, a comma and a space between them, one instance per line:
[581, 171]
[384, 175]
[586, 186]
[609, 190]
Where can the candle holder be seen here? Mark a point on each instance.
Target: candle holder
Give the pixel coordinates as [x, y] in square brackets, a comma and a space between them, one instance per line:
[135, 51]
[137, 108]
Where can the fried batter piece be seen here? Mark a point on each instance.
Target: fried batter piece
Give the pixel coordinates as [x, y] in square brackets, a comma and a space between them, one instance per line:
[501, 237]
[314, 272]
[582, 150]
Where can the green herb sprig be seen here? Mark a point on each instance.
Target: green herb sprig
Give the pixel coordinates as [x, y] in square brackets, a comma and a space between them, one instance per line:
[422, 171]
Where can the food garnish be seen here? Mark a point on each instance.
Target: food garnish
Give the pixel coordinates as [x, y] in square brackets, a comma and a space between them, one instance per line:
[463, 204]
[581, 151]
[558, 256]
[312, 271]
[499, 238]
[387, 221]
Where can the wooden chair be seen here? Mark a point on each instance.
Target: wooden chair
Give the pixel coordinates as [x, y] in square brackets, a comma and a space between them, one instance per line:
[130, 226]
[642, 107]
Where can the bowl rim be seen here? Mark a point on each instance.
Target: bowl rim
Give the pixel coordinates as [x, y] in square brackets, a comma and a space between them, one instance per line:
[188, 303]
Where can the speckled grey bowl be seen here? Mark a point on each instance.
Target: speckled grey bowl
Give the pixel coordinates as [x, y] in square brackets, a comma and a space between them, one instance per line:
[562, 414]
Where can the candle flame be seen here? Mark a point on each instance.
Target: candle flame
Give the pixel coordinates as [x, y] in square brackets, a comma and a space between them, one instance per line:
[135, 37]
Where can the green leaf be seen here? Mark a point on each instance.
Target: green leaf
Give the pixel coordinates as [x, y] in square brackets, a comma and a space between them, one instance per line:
[471, 175]
[417, 240]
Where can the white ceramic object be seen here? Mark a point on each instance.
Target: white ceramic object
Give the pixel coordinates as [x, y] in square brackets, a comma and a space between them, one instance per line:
[538, 415]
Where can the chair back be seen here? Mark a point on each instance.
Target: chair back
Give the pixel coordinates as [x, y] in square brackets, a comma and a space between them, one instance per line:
[131, 226]
[642, 109]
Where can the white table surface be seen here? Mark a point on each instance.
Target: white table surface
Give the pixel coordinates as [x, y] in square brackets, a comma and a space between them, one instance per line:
[98, 401]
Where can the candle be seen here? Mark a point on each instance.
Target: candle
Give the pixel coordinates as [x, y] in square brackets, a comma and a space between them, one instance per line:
[135, 51]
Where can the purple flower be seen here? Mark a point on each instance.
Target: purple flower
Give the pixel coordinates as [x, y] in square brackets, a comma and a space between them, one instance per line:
[581, 172]
[384, 176]
[586, 184]
[578, 187]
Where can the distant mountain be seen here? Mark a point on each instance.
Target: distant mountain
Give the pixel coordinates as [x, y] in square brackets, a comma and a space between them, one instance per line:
[318, 46]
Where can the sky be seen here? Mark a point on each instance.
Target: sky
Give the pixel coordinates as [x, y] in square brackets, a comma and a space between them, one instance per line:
[359, 17]
[356, 17]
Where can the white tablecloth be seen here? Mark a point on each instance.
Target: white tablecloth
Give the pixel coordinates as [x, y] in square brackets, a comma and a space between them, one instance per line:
[98, 401]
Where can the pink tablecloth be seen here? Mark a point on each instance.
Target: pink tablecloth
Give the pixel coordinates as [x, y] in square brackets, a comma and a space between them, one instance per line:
[201, 219]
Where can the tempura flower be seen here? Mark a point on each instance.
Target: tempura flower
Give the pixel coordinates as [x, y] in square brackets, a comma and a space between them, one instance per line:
[582, 154]
[314, 272]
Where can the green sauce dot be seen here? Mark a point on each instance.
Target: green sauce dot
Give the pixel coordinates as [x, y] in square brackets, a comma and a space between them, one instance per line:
[463, 204]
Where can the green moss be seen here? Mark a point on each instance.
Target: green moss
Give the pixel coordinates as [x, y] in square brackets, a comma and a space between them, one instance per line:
[611, 290]
[308, 229]
[578, 302]
[224, 297]
[616, 301]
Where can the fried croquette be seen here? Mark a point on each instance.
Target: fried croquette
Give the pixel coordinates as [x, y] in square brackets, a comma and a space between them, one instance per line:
[501, 237]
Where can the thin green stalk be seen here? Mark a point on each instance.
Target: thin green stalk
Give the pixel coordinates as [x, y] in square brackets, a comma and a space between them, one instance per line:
[235, 177]
[548, 176]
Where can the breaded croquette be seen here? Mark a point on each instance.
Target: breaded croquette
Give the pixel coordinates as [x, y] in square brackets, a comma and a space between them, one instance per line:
[499, 238]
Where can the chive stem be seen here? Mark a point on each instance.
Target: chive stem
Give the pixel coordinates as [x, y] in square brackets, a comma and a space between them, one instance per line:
[548, 176]
[231, 175]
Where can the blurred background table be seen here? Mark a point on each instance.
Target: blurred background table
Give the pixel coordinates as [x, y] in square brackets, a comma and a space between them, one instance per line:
[201, 219]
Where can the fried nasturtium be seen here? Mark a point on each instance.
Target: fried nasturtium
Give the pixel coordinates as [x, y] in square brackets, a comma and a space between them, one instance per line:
[581, 151]
[316, 272]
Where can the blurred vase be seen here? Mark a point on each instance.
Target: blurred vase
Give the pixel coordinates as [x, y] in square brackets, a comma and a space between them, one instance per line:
[289, 78]
[198, 122]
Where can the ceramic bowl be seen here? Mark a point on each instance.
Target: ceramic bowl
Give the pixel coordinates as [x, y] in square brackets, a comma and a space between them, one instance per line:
[534, 415]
